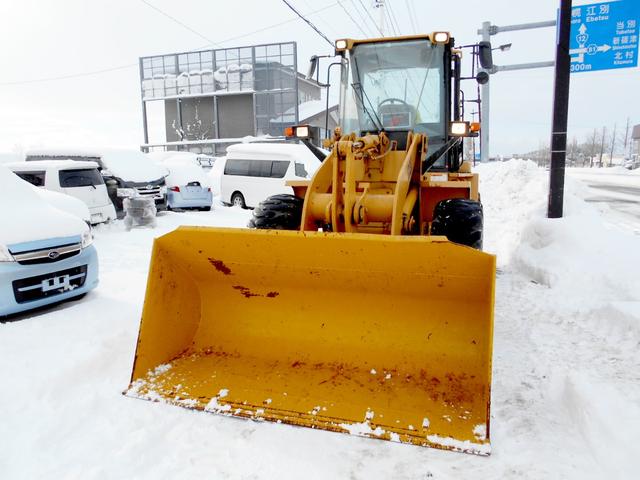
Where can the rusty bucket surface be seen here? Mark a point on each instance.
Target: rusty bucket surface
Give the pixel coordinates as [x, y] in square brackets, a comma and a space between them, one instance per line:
[381, 336]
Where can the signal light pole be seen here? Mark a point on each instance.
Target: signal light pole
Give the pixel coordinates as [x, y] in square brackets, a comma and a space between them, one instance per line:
[560, 113]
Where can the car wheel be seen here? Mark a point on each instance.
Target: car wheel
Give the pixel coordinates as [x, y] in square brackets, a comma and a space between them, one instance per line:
[237, 200]
[206, 209]
[460, 220]
[280, 212]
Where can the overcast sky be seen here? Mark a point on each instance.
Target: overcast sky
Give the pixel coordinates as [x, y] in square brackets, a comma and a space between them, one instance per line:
[41, 39]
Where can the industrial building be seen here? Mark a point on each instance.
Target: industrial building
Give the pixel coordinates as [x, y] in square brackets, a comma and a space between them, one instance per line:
[203, 101]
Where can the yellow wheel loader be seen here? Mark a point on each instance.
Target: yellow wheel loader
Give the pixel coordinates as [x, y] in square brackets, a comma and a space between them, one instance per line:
[361, 304]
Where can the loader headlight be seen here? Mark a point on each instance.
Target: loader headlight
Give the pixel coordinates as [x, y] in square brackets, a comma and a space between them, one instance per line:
[440, 37]
[87, 238]
[298, 131]
[5, 255]
[459, 129]
[302, 131]
[341, 44]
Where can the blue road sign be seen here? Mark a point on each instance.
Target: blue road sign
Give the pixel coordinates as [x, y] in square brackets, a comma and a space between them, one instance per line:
[604, 36]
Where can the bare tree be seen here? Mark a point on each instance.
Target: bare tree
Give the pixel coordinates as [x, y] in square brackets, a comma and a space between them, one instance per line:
[590, 147]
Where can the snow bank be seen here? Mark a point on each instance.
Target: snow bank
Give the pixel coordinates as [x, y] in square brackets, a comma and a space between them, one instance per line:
[511, 192]
[579, 253]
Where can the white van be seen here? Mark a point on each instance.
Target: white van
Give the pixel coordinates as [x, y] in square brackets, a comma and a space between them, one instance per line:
[255, 171]
[78, 179]
[126, 173]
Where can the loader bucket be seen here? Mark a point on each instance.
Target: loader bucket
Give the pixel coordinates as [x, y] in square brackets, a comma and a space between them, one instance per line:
[380, 336]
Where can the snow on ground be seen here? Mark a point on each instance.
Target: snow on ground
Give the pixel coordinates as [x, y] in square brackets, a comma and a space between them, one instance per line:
[566, 386]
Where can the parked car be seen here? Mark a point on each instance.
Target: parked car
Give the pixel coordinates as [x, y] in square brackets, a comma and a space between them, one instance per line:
[187, 186]
[255, 171]
[46, 255]
[126, 173]
[632, 163]
[78, 179]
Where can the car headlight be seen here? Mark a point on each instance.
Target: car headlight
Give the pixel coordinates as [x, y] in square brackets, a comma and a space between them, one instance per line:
[5, 255]
[126, 192]
[87, 238]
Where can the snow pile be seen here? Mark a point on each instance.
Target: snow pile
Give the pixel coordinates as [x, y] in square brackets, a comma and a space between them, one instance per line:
[579, 253]
[510, 192]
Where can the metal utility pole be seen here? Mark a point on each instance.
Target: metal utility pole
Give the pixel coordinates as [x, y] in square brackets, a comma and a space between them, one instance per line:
[613, 144]
[485, 93]
[560, 113]
[487, 31]
[626, 136]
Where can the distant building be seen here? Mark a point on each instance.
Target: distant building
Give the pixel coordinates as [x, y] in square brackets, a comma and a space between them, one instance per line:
[635, 137]
[205, 100]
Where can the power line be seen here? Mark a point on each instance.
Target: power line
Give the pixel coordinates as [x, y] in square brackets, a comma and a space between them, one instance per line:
[322, 20]
[308, 22]
[371, 18]
[392, 16]
[352, 19]
[162, 12]
[411, 12]
[72, 75]
[131, 65]
[363, 19]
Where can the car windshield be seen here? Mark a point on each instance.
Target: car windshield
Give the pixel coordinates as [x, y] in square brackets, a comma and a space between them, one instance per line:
[394, 86]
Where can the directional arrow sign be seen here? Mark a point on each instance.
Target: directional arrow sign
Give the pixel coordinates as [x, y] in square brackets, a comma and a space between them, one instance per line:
[605, 36]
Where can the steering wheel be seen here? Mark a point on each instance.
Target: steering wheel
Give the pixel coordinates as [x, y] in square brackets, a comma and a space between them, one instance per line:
[393, 100]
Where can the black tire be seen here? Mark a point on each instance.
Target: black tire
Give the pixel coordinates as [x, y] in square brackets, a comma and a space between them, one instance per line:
[460, 220]
[237, 200]
[205, 209]
[279, 212]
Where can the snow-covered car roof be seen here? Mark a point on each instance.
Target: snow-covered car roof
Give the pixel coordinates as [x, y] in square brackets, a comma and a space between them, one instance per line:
[132, 166]
[128, 164]
[63, 152]
[26, 216]
[47, 164]
[182, 173]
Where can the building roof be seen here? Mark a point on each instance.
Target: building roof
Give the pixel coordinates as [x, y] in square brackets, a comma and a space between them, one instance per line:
[636, 132]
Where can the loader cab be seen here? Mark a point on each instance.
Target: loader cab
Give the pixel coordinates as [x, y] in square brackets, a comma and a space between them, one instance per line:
[399, 85]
